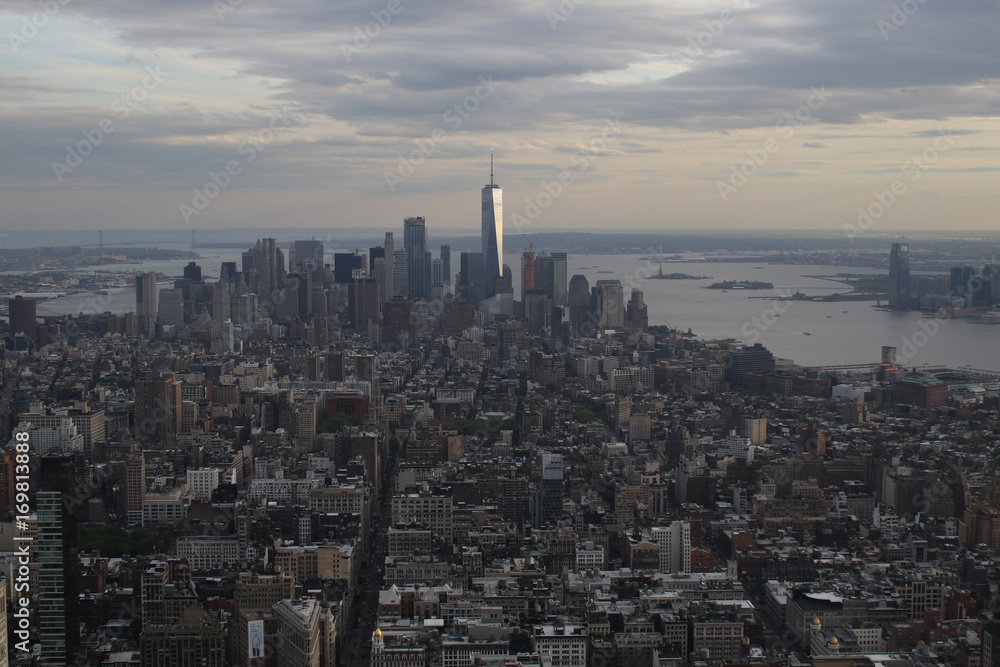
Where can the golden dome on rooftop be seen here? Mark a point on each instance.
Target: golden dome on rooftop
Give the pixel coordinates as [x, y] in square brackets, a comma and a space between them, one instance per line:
[378, 632]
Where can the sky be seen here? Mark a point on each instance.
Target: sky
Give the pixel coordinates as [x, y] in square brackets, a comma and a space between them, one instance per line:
[602, 115]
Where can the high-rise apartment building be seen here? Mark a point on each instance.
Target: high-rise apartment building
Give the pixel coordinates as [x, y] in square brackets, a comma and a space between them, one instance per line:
[58, 572]
[135, 485]
[157, 408]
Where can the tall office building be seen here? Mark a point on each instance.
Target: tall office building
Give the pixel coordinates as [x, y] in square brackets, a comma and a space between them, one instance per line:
[437, 274]
[637, 313]
[899, 275]
[543, 274]
[608, 304]
[548, 499]
[145, 302]
[345, 267]
[365, 303]
[472, 277]
[58, 571]
[401, 276]
[559, 289]
[492, 233]
[390, 267]
[446, 275]
[243, 309]
[375, 252]
[267, 263]
[377, 264]
[417, 258]
[171, 310]
[228, 272]
[307, 256]
[960, 278]
[23, 318]
[221, 306]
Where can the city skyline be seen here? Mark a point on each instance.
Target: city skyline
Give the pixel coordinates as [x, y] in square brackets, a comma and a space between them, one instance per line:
[680, 115]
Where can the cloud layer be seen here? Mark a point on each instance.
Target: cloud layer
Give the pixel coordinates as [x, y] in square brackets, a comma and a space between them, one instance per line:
[699, 86]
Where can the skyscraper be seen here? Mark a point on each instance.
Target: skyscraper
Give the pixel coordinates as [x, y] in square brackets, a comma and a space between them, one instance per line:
[899, 276]
[637, 314]
[559, 291]
[135, 485]
[221, 306]
[375, 252]
[345, 264]
[390, 267]
[58, 573]
[145, 302]
[446, 275]
[492, 232]
[401, 275]
[472, 277]
[365, 303]
[418, 268]
[22, 316]
[543, 274]
[437, 274]
[548, 505]
[171, 308]
[608, 304]
[268, 265]
[307, 256]
[192, 272]
[527, 272]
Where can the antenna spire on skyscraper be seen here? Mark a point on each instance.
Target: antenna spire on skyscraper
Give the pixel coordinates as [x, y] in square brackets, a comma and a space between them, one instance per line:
[491, 167]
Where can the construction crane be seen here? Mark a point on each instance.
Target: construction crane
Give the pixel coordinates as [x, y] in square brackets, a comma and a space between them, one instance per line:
[673, 332]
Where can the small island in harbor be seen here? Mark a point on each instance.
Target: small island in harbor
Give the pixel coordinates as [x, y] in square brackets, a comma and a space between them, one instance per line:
[741, 284]
[677, 276]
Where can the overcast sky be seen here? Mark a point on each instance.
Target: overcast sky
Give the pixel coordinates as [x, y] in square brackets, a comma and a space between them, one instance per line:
[343, 114]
